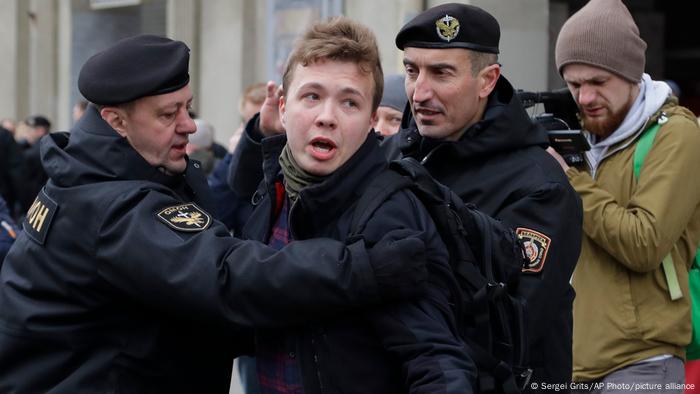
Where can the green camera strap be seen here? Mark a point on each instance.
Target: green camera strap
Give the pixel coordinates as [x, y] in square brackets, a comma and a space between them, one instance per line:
[646, 140]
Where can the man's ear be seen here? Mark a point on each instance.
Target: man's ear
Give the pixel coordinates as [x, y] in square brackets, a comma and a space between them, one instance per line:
[116, 118]
[282, 109]
[488, 78]
[374, 119]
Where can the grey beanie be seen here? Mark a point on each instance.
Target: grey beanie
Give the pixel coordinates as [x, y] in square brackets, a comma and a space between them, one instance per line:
[394, 92]
[602, 34]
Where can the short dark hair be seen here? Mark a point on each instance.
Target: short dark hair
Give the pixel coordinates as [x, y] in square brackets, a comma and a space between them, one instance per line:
[481, 60]
[38, 121]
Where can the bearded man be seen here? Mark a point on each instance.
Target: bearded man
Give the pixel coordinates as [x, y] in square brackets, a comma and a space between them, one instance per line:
[631, 312]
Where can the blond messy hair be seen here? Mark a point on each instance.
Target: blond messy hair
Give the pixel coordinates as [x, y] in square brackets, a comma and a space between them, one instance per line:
[339, 39]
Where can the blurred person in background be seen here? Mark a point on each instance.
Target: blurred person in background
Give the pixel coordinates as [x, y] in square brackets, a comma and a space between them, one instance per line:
[199, 145]
[388, 119]
[10, 170]
[79, 109]
[8, 230]
[8, 124]
[33, 174]
[231, 209]
[33, 128]
[252, 99]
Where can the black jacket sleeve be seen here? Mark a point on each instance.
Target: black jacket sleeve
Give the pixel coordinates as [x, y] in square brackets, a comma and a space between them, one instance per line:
[246, 168]
[554, 211]
[230, 208]
[209, 275]
[422, 334]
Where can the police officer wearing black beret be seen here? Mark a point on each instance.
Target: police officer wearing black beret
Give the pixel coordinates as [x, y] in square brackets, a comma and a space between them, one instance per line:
[468, 127]
[121, 280]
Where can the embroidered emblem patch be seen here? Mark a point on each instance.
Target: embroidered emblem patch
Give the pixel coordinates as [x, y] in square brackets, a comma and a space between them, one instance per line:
[536, 246]
[39, 217]
[185, 217]
[447, 28]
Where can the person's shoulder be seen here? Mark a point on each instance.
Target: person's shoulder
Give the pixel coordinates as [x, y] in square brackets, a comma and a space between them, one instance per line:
[536, 166]
[131, 205]
[678, 134]
[681, 119]
[393, 145]
[117, 198]
[403, 208]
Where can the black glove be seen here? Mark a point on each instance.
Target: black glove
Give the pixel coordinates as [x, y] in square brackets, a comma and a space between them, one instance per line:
[399, 264]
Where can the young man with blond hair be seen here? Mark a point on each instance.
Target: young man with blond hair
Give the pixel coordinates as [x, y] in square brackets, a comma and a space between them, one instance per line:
[313, 178]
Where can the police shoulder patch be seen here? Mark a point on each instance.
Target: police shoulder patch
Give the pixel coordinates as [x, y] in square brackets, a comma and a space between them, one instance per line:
[185, 217]
[536, 246]
[38, 220]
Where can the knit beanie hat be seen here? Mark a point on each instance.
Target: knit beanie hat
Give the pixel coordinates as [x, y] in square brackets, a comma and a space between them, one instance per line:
[394, 92]
[602, 34]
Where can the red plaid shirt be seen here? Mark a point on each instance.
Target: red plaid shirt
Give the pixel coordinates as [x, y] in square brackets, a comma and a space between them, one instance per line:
[278, 369]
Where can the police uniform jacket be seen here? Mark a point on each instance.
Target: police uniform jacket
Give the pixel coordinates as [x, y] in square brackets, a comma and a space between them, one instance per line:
[408, 347]
[122, 283]
[500, 165]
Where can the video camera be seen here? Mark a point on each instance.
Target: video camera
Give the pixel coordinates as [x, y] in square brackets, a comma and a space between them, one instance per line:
[560, 120]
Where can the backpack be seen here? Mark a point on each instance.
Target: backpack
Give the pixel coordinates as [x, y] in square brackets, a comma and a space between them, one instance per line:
[486, 258]
[646, 140]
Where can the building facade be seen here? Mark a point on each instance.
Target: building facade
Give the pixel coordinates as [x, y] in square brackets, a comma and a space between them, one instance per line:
[238, 42]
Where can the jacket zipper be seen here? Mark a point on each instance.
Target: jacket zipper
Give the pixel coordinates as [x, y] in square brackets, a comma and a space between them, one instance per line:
[430, 154]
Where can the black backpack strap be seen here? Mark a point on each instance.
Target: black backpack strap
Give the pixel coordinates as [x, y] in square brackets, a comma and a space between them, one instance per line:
[425, 186]
[379, 190]
[461, 227]
[495, 376]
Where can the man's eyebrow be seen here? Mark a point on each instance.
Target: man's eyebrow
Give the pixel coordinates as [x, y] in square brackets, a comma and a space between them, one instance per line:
[176, 104]
[311, 85]
[434, 66]
[442, 66]
[351, 90]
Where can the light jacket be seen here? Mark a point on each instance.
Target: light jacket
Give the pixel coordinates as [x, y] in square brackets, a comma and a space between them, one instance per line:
[623, 312]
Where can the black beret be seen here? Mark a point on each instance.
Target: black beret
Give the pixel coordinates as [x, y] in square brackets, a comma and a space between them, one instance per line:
[135, 67]
[451, 25]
